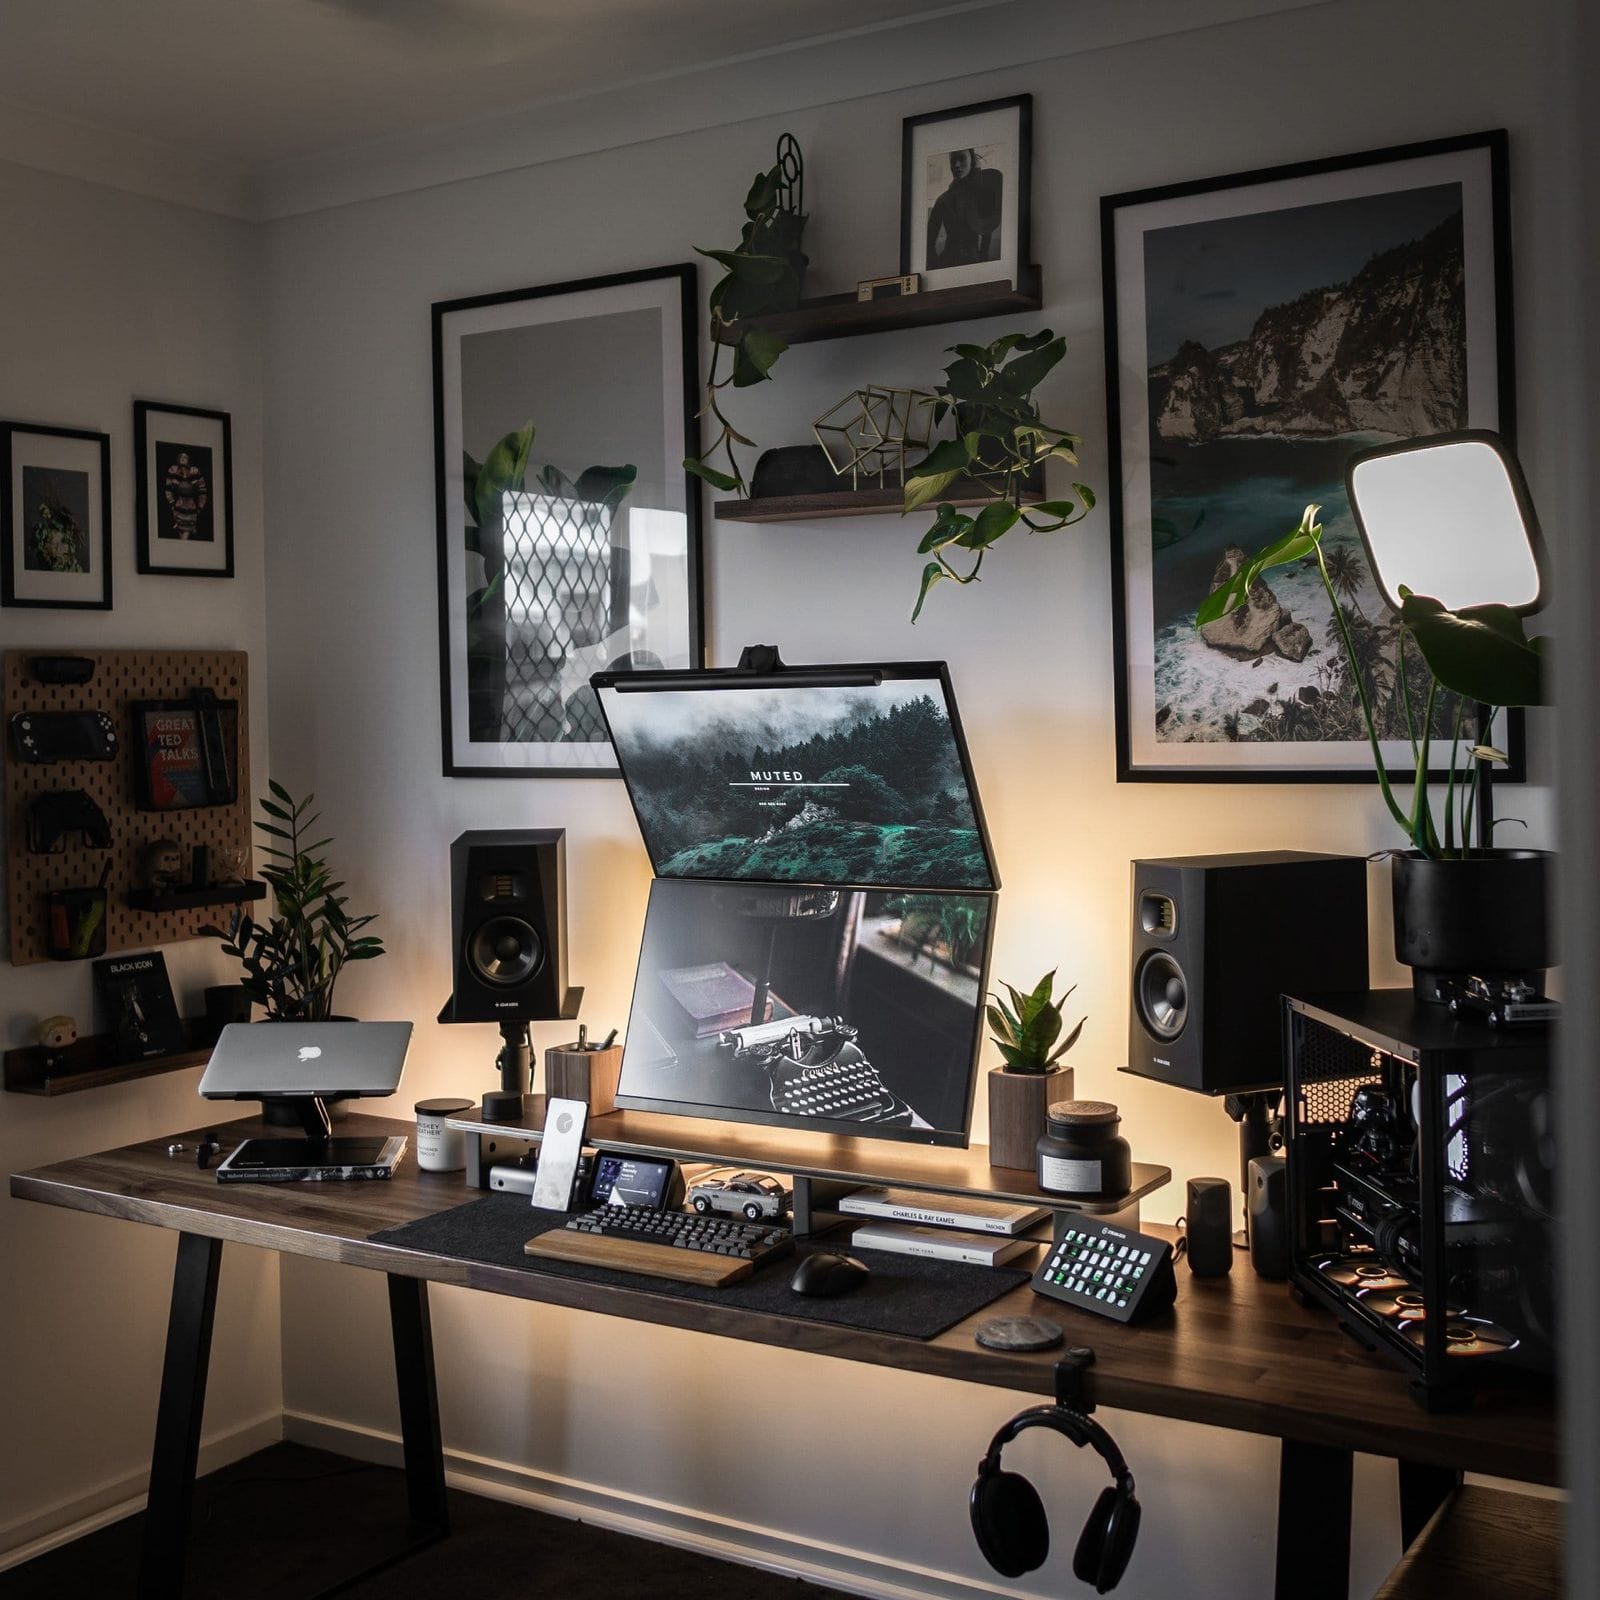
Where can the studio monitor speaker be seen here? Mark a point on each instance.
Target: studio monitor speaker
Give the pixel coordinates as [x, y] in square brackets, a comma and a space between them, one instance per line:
[1216, 941]
[508, 917]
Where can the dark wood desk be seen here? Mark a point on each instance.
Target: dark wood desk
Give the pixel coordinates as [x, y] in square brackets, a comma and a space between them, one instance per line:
[1235, 1353]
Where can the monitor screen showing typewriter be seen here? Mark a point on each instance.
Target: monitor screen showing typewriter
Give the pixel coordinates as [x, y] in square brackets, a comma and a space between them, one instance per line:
[862, 782]
[846, 1010]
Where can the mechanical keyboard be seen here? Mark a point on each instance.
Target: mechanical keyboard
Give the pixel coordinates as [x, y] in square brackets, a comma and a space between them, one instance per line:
[665, 1244]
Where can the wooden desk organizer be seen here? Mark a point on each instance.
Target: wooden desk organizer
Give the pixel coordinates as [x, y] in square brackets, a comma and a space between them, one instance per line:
[575, 1073]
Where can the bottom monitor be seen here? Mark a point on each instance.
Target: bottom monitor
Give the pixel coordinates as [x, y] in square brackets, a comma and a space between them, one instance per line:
[842, 1009]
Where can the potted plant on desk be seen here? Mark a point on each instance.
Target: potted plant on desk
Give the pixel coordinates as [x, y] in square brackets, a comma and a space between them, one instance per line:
[1461, 906]
[292, 963]
[1031, 1080]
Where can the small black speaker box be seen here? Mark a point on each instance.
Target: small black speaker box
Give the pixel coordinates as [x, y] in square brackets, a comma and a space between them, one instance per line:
[1208, 1224]
[1216, 941]
[1268, 1216]
[508, 919]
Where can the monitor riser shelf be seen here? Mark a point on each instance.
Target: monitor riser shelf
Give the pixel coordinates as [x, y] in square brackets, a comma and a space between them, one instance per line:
[822, 1166]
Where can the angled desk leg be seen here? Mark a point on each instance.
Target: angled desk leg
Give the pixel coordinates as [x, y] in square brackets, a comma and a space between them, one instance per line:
[183, 1397]
[419, 1404]
[1422, 1491]
[1314, 1488]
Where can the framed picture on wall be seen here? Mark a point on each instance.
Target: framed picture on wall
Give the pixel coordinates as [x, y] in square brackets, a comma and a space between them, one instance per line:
[1260, 329]
[55, 520]
[183, 495]
[569, 533]
[964, 203]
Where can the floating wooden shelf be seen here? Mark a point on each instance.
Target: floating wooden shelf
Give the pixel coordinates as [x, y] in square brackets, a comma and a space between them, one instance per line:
[211, 894]
[847, 503]
[92, 1063]
[842, 316]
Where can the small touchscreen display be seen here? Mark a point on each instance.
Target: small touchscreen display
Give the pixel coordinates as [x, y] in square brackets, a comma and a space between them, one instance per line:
[629, 1180]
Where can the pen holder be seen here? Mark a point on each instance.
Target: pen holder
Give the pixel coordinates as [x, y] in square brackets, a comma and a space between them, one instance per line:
[588, 1075]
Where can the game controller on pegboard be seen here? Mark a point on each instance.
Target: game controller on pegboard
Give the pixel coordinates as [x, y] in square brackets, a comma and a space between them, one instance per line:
[127, 790]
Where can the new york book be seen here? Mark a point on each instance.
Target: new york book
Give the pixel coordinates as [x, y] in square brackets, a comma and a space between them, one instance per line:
[943, 1211]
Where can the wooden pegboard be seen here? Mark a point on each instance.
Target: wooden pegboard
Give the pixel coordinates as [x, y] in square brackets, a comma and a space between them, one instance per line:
[120, 677]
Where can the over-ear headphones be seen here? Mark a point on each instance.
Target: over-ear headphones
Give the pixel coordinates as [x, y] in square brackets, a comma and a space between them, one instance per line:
[1008, 1517]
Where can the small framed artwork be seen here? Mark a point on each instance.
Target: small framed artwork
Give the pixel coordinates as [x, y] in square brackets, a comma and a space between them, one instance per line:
[184, 491]
[1260, 329]
[569, 532]
[55, 520]
[964, 181]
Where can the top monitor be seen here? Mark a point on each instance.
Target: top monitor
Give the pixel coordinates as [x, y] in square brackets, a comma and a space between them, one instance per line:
[845, 776]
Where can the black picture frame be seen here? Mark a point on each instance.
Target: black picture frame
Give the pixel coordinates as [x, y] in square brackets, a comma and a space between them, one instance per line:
[1479, 162]
[1015, 254]
[680, 297]
[159, 544]
[87, 457]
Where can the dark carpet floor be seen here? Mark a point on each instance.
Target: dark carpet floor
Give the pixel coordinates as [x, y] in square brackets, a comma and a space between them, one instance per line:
[290, 1523]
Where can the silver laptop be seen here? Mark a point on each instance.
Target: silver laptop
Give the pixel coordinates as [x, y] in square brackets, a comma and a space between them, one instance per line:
[261, 1060]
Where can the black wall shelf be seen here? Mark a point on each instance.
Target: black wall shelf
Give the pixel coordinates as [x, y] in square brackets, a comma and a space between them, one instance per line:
[876, 502]
[92, 1062]
[213, 894]
[842, 316]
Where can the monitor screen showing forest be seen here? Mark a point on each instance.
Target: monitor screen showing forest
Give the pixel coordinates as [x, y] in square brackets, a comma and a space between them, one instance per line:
[802, 784]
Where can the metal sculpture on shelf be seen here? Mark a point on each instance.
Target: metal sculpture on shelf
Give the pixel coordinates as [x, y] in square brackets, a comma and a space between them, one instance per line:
[867, 434]
[791, 176]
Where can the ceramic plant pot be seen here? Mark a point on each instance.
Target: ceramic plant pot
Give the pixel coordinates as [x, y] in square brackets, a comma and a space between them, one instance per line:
[1487, 914]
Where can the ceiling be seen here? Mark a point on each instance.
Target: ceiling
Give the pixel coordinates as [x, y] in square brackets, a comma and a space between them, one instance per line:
[250, 85]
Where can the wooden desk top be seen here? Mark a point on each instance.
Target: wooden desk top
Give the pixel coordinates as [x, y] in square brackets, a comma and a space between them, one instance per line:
[1236, 1352]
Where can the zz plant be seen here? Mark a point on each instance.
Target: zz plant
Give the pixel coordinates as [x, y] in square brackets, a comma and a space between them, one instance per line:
[292, 962]
[1000, 445]
[1026, 1031]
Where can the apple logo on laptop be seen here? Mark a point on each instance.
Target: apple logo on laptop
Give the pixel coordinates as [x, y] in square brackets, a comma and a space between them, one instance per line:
[310, 1052]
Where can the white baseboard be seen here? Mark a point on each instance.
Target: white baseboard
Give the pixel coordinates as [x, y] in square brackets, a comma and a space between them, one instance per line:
[32, 1535]
[854, 1571]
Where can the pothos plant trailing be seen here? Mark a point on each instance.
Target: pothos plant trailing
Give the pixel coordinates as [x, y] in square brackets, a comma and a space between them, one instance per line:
[1478, 654]
[761, 276]
[1000, 446]
[292, 962]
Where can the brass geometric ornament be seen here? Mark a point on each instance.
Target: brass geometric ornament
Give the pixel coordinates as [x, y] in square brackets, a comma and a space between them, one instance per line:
[868, 433]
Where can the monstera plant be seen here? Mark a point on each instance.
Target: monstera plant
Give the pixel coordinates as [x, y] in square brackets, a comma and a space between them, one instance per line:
[1479, 655]
[1000, 446]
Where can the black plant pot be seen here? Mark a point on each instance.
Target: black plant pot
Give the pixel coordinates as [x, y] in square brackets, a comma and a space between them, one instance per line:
[1484, 915]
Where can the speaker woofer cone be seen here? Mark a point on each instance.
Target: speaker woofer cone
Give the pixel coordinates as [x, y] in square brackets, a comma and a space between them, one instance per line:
[505, 951]
[1161, 993]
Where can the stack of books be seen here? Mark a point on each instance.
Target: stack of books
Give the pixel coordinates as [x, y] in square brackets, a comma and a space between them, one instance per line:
[984, 1233]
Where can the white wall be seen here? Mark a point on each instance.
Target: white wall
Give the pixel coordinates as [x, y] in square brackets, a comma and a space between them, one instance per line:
[870, 1468]
[105, 297]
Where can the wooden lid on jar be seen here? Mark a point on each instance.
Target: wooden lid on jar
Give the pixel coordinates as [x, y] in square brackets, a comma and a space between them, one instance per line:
[1083, 1113]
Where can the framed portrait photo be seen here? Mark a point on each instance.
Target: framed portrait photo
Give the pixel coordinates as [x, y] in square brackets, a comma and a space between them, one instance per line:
[1261, 329]
[183, 460]
[964, 204]
[569, 532]
[55, 520]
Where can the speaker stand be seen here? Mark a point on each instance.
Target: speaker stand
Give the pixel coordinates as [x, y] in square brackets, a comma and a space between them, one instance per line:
[515, 1062]
[1257, 1115]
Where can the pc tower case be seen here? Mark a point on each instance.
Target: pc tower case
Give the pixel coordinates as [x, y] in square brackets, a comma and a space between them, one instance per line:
[1421, 1182]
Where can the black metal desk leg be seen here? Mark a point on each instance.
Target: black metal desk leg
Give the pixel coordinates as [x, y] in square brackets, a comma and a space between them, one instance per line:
[419, 1404]
[1313, 1522]
[1422, 1491]
[183, 1400]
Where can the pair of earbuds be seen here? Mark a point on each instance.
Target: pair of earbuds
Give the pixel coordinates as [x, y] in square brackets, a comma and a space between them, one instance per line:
[1008, 1517]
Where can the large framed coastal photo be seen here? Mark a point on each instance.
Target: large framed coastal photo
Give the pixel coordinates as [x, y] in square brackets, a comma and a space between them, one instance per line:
[569, 533]
[1261, 329]
[55, 517]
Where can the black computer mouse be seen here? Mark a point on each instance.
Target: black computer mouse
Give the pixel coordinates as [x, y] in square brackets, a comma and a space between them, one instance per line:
[827, 1274]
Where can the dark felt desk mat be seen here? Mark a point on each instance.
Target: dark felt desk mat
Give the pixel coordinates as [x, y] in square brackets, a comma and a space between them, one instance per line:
[908, 1295]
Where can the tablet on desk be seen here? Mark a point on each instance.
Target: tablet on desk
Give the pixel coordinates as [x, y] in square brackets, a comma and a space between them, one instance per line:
[298, 1160]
